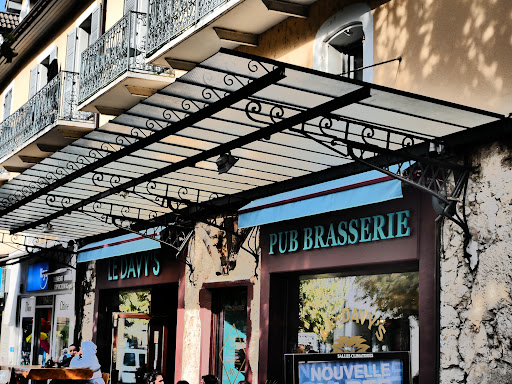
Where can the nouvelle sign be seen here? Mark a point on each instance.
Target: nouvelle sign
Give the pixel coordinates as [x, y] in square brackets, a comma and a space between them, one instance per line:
[364, 229]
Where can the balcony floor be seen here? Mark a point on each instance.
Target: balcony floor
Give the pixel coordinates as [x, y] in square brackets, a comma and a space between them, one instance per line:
[200, 41]
[124, 92]
[57, 135]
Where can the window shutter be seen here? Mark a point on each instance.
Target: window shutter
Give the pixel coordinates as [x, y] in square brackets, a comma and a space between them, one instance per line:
[32, 89]
[53, 54]
[130, 5]
[7, 104]
[95, 25]
[70, 51]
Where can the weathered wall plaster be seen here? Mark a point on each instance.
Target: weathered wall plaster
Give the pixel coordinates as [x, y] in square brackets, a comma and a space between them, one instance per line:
[476, 310]
[205, 257]
[88, 292]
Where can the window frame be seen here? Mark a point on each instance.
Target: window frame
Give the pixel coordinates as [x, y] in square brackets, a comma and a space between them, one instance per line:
[355, 13]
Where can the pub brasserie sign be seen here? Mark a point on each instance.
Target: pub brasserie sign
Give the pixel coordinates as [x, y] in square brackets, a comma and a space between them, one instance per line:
[360, 230]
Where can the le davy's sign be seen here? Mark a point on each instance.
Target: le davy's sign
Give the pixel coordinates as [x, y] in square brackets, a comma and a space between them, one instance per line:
[134, 266]
[364, 229]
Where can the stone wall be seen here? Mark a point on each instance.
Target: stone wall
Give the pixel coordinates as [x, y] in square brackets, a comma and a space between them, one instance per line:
[206, 255]
[476, 310]
[87, 287]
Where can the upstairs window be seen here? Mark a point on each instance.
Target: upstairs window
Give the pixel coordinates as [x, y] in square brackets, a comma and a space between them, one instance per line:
[7, 104]
[43, 72]
[345, 43]
[345, 52]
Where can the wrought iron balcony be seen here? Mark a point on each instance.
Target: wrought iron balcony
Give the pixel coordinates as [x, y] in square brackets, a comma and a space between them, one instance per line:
[122, 48]
[168, 18]
[56, 101]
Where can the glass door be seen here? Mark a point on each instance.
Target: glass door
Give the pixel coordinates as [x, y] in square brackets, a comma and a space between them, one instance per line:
[130, 346]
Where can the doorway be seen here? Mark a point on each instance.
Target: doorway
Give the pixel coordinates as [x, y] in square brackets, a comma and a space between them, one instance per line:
[130, 346]
[136, 331]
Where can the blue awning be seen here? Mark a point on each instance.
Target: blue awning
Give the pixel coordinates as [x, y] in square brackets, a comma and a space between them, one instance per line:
[349, 192]
[116, 246]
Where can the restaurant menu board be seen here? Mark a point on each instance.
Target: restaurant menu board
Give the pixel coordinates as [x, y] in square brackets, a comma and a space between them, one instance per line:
[349, 368]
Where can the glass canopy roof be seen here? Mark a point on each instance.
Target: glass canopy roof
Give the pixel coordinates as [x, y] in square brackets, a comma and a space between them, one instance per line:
[289, 127]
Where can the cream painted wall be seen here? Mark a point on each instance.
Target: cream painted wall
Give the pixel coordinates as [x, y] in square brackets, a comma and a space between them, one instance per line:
[115, 10]
[456, 50]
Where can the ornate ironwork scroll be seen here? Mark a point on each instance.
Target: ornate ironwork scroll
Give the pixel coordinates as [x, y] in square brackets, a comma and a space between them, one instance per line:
[168, 18]
[430, 171]
[61, 251]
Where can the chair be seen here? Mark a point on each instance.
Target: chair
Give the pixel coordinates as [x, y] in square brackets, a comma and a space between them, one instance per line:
[105, 376]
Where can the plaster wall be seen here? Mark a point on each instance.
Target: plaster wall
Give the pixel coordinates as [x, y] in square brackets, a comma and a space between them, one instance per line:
[206, 259]
[9, 334]
[87, 290]
[456, 50]
[476, 310]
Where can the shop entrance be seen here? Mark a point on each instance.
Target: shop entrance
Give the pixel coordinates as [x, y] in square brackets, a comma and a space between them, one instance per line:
[130, 345]
[137, 332]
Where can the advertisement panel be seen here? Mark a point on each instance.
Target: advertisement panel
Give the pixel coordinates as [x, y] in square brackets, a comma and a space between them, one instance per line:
[348, 368]
[36, 280]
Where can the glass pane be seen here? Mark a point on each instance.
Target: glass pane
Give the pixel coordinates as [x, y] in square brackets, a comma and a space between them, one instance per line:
[232, 352]
[61, 335]
[26, 340]
[134, 301]
[374, 313]
[132, 348]
[45, 333]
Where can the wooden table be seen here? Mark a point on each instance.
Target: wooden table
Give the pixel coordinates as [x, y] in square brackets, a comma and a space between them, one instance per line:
[35, 372]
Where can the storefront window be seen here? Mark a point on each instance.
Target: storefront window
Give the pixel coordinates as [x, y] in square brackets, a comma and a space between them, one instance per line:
[371, 313]
[26, 339]
[131, 335]
[229, 327]
[63, 315]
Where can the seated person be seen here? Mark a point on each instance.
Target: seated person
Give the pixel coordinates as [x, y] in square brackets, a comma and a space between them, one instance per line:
[154, 377]
[73, 350]
[86, 358]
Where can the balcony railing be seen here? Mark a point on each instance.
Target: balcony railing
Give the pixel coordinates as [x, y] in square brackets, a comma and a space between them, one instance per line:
[56, 101]
[122, 48]
[168, 18]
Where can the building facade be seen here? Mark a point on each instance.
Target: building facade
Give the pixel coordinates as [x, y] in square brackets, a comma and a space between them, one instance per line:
[205, 166]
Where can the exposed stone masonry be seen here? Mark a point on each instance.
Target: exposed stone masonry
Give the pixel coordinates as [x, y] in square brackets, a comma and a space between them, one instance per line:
[476, 310]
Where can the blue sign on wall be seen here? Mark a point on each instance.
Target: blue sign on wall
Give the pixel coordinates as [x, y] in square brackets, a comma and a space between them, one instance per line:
[36, 281]
[352, 372]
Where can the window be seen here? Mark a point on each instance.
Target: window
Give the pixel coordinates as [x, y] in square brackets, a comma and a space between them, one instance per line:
[85, 34]
[43, 72]
[346, 51]
[368, 313]
[7, 104]
[344, 43]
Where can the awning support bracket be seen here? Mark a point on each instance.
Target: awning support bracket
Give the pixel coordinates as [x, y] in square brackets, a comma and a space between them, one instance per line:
[429, 173]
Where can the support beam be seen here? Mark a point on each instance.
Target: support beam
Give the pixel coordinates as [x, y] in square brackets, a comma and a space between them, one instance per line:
[8, 168]
[181, 65]
[49, 148]
[71, 134]
[31, 159]
[241, 38]
[287, 8]
[307, 115]
[140, 91]
[108, 110]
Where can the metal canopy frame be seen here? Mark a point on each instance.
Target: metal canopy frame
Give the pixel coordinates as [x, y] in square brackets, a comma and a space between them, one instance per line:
[288, 127]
